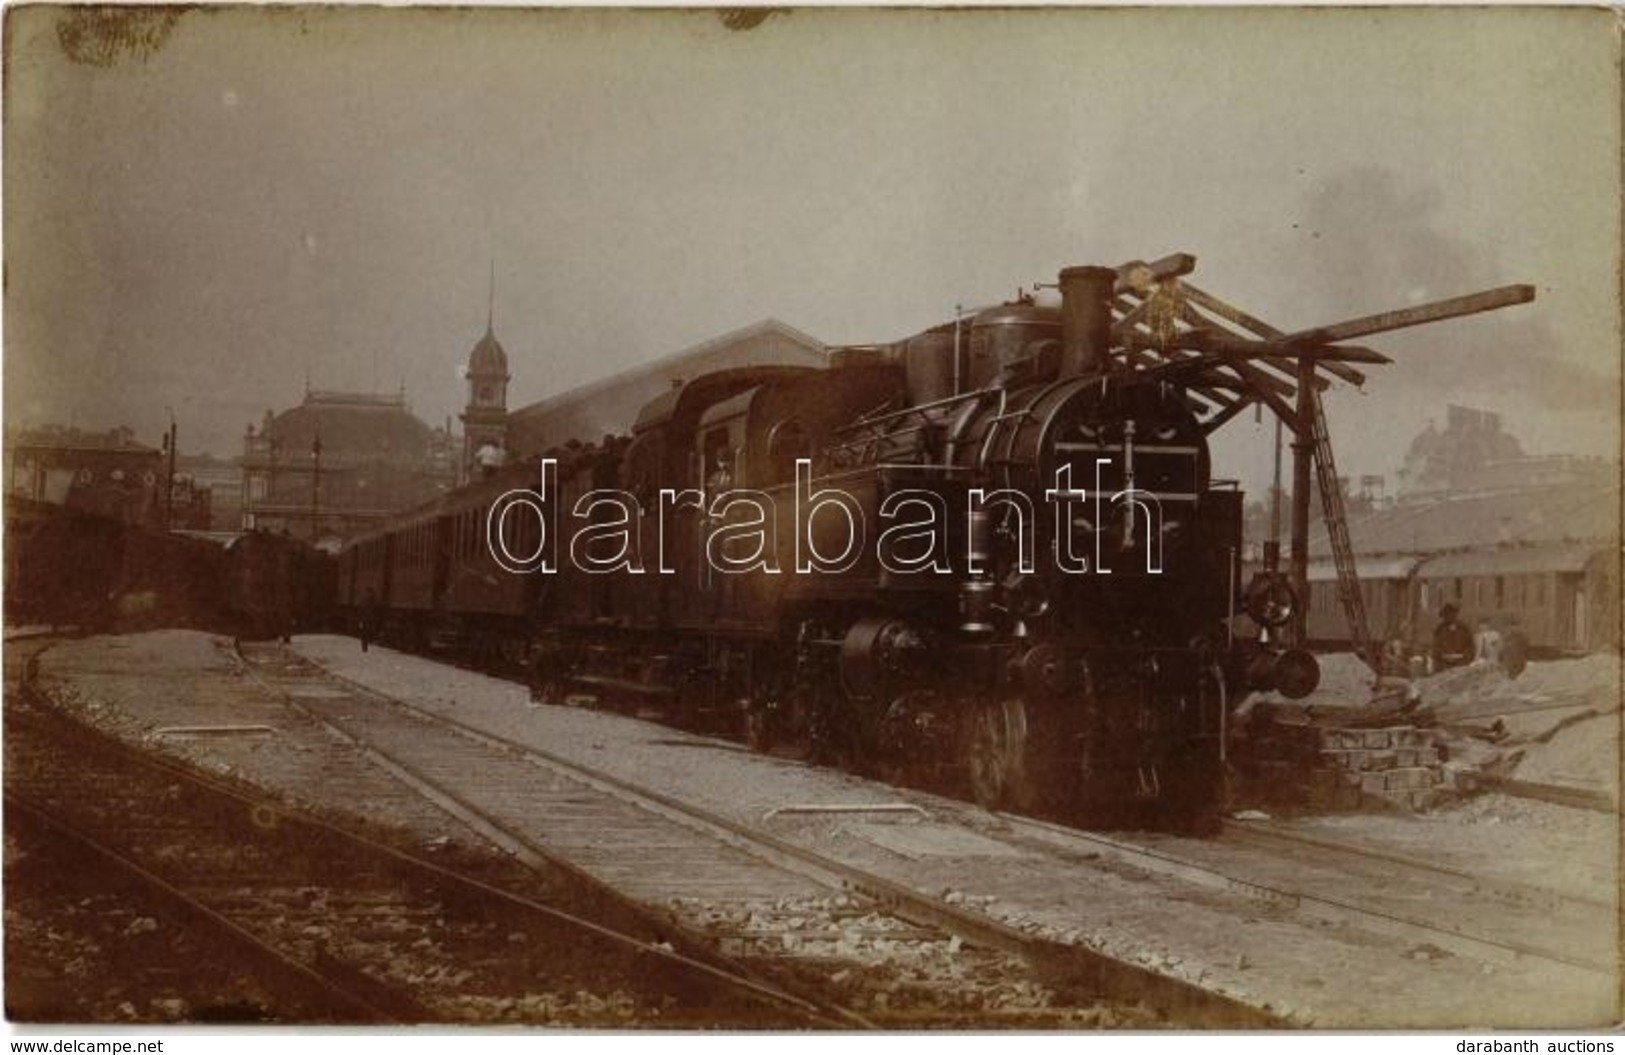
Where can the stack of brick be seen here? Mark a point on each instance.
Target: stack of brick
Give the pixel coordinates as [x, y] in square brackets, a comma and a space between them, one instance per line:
[1338, 768]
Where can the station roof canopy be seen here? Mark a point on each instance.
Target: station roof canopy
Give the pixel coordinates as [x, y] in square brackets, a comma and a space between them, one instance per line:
[1572, 512]
[1513, 560]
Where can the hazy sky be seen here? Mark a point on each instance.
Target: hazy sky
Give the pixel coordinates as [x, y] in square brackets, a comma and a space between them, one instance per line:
[197, 223]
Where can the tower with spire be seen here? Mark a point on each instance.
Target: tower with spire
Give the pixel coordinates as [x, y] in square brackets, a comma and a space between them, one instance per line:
[485, 417]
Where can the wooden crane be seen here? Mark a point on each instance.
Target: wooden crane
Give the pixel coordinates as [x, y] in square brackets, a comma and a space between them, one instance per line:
[1230, 360]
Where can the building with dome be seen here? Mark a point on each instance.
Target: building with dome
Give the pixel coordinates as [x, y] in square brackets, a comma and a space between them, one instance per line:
[485, 417]
[341, 462]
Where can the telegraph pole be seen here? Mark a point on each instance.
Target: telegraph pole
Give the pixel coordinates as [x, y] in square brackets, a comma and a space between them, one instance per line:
[315, 487]
[169, 476]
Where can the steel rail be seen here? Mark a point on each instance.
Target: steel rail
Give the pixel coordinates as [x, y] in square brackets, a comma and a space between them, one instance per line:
[1510, 889]
[1317, 906]
[269, 810]
[529, 853]
[1111, 976]
[290, 969]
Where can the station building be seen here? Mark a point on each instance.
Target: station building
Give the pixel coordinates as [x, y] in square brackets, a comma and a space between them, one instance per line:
[1512, 540]
[106, 474]
[341, 462]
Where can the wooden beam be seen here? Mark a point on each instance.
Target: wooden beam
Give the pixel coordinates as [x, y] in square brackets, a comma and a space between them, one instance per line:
[1134, 275]
[1249, 388]
[1232, 314]
[1256, 327]
[1209, 341]
[1202, 386]
[1279, 406]
[1258, 371]
[1437, 311]
[1147, 350]
[1132, 315]
[1256, 384]
[1215, 424]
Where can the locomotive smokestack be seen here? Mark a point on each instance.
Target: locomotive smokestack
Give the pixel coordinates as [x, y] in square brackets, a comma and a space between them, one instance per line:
[1086, 318]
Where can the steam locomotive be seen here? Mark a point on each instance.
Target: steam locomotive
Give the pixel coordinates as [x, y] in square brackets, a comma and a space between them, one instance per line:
[991, 557]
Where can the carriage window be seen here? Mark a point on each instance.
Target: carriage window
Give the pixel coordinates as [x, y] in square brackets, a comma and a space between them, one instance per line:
[787, 442]
[1500, 591]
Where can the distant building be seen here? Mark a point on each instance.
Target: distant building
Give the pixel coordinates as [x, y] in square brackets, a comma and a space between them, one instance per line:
[339, 463]
[1537, 514]
[610, 405]
[1515, 542]
[1455, 460]
[106, 474]
[1471, 487]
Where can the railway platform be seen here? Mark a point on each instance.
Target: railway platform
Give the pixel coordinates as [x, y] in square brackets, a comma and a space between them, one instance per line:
[1271, 923]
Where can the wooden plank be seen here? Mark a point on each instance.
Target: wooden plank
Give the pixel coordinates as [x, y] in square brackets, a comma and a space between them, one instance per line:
[1259, 372]
[1152, 357]
[1248, 389]
[1256, 326]
[1252, 383]
[1240, 348]
[1439, 310]
[1133, 315]
[1174, 265]
[1232, 314]
[1214, 424]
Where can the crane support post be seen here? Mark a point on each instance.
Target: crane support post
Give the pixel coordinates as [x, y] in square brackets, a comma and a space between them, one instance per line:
[1303, 453]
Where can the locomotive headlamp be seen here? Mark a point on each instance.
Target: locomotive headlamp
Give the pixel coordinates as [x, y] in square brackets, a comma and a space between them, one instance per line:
[1269, 599]
[1297, 674]
[1293, 673]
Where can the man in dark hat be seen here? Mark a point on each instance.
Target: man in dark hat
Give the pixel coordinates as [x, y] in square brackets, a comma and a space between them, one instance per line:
[1452, 640]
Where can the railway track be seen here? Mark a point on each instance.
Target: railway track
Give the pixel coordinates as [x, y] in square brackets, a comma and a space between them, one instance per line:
[333, 925]
[1331, 882]
[799, 915]
[923, 911]
[1317, 934]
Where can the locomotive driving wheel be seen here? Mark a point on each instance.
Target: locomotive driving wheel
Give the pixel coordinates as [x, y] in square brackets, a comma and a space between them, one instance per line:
[996, 753]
